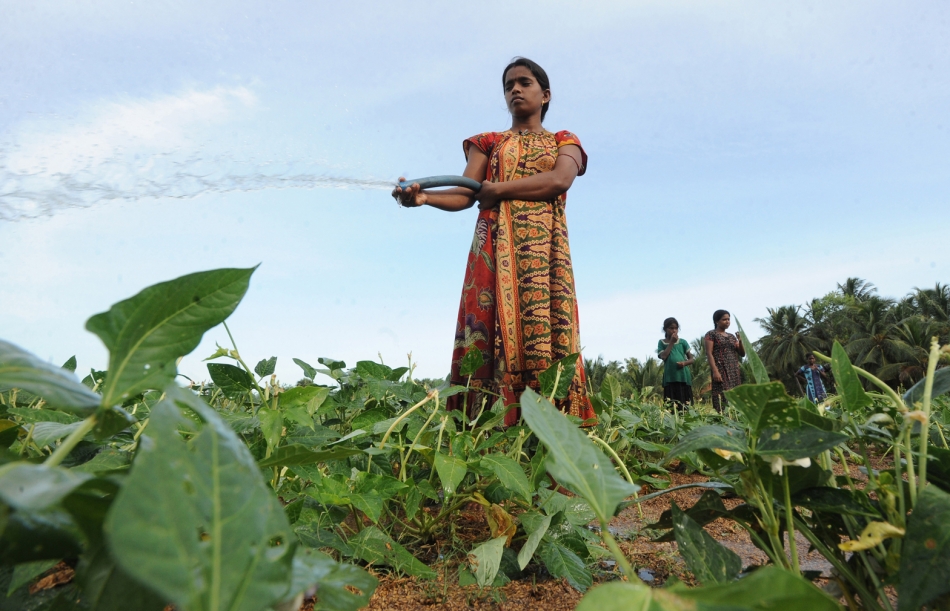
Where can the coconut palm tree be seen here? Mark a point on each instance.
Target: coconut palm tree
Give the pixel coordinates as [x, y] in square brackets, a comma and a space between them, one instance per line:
[788, 337]
[875, 341]
[857, 289]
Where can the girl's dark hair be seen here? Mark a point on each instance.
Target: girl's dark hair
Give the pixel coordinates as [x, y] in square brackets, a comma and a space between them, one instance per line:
[670, 321]
[538, 73]
[719, 314]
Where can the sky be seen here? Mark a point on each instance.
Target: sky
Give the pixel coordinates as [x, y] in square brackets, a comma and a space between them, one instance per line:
[743, 155]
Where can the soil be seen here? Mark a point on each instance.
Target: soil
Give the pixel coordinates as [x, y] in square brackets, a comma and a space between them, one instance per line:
[655, 562]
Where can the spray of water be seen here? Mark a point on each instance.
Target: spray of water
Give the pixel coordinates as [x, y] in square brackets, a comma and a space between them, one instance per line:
[36, 191]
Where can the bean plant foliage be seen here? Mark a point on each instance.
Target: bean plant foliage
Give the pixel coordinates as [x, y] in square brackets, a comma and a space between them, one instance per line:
[244, 493]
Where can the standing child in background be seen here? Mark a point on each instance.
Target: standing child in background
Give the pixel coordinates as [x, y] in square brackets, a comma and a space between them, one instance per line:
[723, 351]
[518, 305]
[674, 352]
[811, 375]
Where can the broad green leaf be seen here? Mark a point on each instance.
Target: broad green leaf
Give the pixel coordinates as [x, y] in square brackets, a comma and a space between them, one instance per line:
[765, 589]
[272, 426]
[29, 487]
[709, 507]
[925, 555]
[451, 471]
[471, 361]
[573, 459]
[48, 433]
[70, 364]
[610, 390]
[195, 521]
[534, 539]
[547, 377]
[712, 436]
[26, 572]
[941, 386]
[369, 503]
[333, 581]
[801, 442]
[38, 535]
[108, 459]
[486, 560]
[369, 369]
[58, 387]
[108, 587]
[367, 419]
[764, 405]
[311, 397]
[308, 371]
[759, 372]
[562, 562]
[706, 558]
[332, 364]
[852, 394]
[373, 545]
[146, 334]
[297, 454]
[834, 500]
[509, 473]
[232, 380]
[28, 415]
[265, 367]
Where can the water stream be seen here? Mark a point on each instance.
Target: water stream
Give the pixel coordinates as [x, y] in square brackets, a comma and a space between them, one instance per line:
[39, 190]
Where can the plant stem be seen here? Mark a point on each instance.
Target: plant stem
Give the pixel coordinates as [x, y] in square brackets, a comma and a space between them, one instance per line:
[867, 598]
[432, 393]
[249, 371]
[29, 437]
[928, 396]
[911, 476]
[620, 464]
[790, 522]
[616, 551]
[70, 442]
[402, 468]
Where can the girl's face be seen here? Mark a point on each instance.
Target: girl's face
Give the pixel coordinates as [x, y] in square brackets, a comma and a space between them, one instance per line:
[724, 322]
[671, 330]
[523, 94]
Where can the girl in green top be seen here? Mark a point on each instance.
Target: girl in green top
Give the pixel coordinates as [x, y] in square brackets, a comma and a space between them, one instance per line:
[674, 352]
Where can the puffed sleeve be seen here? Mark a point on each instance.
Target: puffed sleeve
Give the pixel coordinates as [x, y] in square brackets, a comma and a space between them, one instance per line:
[484, 142]
[563, 138]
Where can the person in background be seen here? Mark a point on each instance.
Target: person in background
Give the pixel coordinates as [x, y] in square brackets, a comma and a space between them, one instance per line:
[811, 376]
[674, 352]
[723, 351]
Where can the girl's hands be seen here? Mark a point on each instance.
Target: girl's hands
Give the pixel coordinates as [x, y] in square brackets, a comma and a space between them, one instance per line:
[411, 197]
[716, 376]
[681, 364]
[487, 197]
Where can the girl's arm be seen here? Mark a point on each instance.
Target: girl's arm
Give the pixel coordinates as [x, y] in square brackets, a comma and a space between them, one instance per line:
[666, 352]
[450, 200]
[740, 347]
[689, 359]
[537, 188]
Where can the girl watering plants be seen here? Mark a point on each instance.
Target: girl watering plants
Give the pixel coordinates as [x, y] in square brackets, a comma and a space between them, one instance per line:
[518, 305]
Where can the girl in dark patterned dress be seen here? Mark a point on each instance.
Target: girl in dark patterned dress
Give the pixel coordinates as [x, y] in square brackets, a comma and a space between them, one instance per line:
[723, 351]
[518, 304]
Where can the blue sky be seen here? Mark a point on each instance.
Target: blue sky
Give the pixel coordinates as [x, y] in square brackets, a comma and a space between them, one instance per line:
[743, 155]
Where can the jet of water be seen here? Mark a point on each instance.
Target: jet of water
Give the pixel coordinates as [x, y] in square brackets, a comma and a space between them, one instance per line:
[36, 191]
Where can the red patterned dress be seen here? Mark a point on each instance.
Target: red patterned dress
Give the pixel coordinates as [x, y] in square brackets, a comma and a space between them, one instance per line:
[518, 302]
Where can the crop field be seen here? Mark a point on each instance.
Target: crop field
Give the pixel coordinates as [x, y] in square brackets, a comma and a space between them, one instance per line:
[136, 488]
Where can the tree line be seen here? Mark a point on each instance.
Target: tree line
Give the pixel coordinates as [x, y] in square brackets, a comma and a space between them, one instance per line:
[888, 337]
